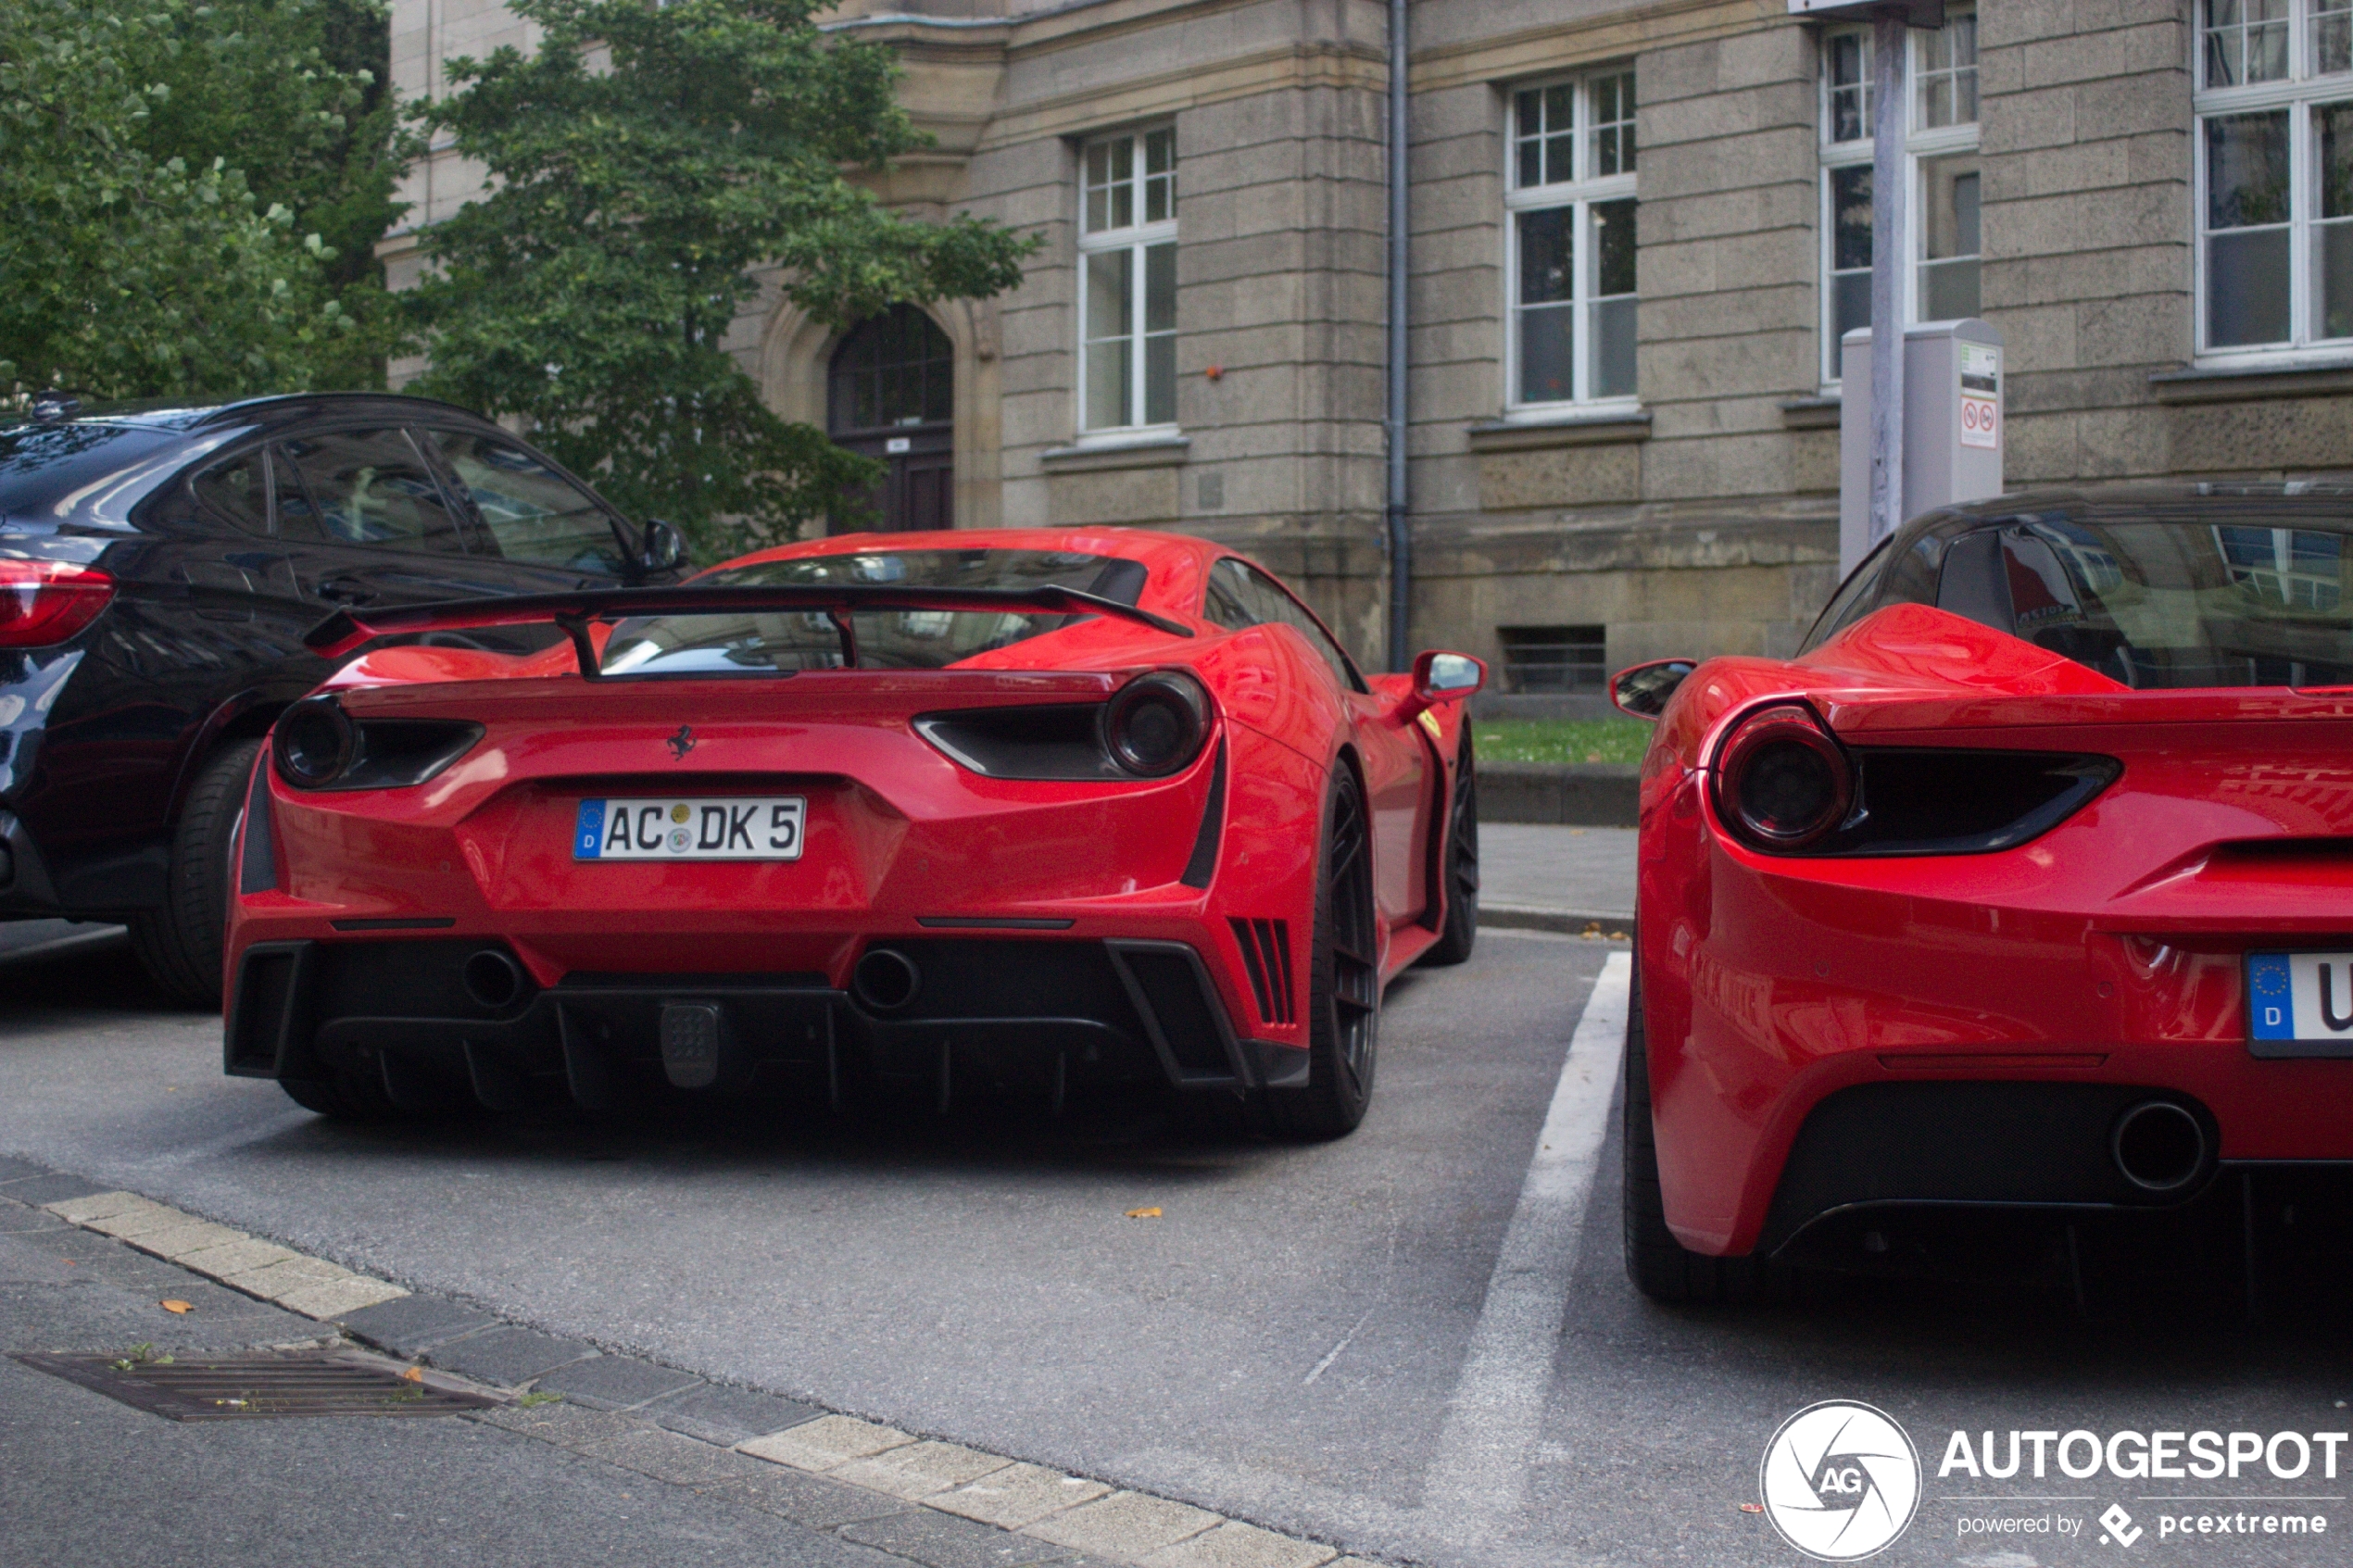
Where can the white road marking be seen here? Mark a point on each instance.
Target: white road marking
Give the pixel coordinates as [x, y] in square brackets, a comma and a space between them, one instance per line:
[1479, 1478]
[1333, 1354]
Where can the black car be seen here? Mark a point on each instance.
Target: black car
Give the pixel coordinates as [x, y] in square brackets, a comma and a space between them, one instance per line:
[157, 570]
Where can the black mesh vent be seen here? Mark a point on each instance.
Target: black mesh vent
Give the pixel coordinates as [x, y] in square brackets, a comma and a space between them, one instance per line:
[1265, 946]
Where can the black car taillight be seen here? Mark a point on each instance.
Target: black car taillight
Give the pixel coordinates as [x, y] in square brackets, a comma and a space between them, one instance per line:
[316, 745]
[1153, 727]
[1156, 724]
[1786, 786]
[1782, 781]
[45, 602]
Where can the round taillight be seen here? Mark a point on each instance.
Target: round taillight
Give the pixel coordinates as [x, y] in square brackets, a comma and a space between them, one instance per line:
[1782, 781]
[1156, 724]
[314, 742]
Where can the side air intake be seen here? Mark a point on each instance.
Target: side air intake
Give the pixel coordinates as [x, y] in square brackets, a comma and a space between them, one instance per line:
[1265, 946]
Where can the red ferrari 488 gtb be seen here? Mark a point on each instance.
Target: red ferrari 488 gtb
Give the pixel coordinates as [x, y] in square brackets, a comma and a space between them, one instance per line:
[1026, 809]
[2022, 892]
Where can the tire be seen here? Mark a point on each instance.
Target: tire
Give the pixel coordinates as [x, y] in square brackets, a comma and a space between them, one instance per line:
[1661, 1267]
[1460, 932]
[1343, 980]
[180, 945]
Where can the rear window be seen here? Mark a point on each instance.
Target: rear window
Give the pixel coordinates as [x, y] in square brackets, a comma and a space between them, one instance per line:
[2168, 602]
[887, 639]
[42, 465]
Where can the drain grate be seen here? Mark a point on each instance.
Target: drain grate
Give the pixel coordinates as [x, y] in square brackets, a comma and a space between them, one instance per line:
[255, 1388]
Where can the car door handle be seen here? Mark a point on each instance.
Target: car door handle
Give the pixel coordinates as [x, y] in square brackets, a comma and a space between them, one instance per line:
[344, 592]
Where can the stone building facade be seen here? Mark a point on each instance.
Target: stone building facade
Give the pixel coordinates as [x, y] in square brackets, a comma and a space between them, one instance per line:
[1637, 229]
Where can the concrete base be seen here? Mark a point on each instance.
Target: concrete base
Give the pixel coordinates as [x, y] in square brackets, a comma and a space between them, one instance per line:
[1584, 793]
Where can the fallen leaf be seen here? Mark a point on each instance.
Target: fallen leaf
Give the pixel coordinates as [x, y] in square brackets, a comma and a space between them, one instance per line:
[1617, 937]
[1143, 1213]
[415, 1375]
[1751, 1508]
[1593, 757]
[175, 1306]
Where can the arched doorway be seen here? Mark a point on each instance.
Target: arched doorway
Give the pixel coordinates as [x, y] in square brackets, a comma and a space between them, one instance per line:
[890, 394]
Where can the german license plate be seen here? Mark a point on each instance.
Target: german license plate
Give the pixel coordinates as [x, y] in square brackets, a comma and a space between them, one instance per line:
[765, 827]
[2300, 1004]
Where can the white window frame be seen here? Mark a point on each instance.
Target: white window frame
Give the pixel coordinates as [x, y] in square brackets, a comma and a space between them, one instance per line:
[2301, 91]
[1582, 193]
[1921, 145]
[1136, 238]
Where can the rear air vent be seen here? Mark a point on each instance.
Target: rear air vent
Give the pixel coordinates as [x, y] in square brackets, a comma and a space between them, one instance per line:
[1265, 946]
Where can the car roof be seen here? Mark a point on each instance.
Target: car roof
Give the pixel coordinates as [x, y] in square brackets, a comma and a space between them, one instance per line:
[272, 410]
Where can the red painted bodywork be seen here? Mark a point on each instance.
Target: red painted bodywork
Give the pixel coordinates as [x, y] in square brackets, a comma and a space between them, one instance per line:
[896, 831]
[2107, 949]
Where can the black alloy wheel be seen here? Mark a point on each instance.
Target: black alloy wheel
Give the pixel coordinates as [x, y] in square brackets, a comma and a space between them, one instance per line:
[1661, 1267]
[1460, 934]
[1343, 995]
[179, 944]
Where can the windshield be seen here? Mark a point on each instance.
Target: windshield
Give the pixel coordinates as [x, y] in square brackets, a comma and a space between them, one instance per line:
[2163, 602]
[738, 644]
[44, 466]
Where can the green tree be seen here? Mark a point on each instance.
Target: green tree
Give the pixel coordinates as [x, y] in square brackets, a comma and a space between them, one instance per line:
[298, 94]
[125, 271]
[643, 162]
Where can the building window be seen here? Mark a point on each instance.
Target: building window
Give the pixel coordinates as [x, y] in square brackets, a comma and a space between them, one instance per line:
[1571, 265]
[1128, 287]
[1553, 660]
[1941, 283]
[2274, 175]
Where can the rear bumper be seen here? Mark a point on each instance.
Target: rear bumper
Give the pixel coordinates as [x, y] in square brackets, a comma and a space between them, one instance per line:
[25, 887]
[1830, 1040]
[1047, 1014]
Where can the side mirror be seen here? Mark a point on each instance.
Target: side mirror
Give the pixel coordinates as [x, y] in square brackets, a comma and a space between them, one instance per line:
[1439, 676]
[664, 549]
[1642, 689]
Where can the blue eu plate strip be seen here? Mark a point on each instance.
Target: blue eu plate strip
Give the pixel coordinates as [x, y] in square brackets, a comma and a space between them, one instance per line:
[2269, 1001]
[589, 842]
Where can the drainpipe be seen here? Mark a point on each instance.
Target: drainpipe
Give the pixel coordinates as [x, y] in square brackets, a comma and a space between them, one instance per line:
[1400, 538]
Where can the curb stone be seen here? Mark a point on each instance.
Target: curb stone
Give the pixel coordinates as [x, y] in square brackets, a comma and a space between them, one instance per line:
[925, 1501]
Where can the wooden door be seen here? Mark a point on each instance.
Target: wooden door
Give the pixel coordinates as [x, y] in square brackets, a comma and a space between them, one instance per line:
[891, 396]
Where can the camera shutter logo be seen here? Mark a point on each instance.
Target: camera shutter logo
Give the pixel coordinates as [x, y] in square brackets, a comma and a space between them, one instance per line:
[1839, 1480]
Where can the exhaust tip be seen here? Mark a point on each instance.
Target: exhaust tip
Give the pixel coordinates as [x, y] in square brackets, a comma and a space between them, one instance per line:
[491, 978]
[885, 980]
[2159, 1145]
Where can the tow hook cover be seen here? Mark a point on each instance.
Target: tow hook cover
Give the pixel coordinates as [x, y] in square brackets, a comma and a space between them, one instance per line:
[692, 1033]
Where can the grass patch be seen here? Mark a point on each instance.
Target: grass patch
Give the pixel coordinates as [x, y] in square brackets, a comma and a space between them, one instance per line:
[1561, 740]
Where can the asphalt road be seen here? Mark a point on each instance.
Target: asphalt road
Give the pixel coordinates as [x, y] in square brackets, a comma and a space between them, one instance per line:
[1416, 1343]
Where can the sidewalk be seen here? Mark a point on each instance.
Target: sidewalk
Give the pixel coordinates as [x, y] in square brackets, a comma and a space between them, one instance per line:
[1544, 878]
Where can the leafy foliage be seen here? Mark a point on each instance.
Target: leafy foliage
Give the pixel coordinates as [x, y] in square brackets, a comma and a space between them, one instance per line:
[299, 94]
[644, 161]
[136, 259]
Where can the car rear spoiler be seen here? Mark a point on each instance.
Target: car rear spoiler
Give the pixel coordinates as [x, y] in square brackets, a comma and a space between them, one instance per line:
[347, 631]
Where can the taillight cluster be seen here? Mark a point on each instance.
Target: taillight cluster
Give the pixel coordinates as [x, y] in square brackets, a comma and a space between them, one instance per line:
[1153, 727]
[1782, 781]
[45, 602]
[1784, 784]
[315, 744]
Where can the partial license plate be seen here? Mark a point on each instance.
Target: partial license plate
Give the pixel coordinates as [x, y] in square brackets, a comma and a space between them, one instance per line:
[2300, 1004]
[763, 827]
